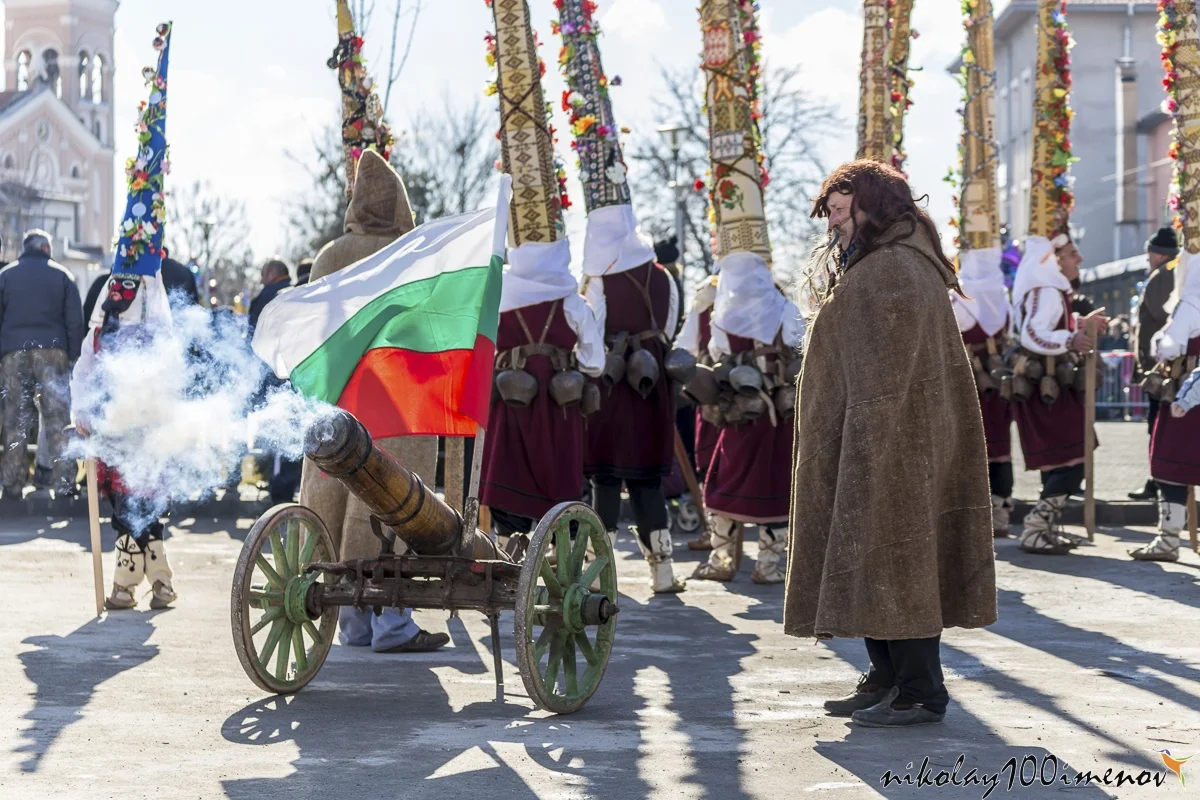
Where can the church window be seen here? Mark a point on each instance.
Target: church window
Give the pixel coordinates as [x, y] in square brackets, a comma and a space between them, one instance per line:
[84, 94]
[75, 171]
[99, 131]
[97, 82]
[23, 59]
[9, 161]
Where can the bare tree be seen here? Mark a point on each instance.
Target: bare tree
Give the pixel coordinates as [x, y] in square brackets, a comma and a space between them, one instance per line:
[445, 159]
[210, 230]
[403, 14]
[793, 128]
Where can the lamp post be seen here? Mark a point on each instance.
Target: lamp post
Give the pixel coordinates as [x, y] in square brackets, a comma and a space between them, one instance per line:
[673, 134]
[206, 225]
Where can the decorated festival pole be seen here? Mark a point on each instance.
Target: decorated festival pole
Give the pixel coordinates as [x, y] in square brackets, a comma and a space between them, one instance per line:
[1180, 39]
[738, 176]
[363, 125]
[978, 216]
[874, 95]
[1051, 198]
[899, 45]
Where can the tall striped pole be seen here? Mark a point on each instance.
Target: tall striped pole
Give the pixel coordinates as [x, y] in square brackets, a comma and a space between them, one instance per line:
[979, 218]
[874, 94]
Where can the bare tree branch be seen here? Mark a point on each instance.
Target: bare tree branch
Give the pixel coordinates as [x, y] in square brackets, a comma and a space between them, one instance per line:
[394, 70]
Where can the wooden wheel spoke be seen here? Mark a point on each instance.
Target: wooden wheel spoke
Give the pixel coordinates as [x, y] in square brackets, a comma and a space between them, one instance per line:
[550, 676]
[579, 550]
[273, 637]
[272, 576]
[562, 546]
[299, 650]
[585, 647]
[273, 613]
[310, 547]
[292, 543]
[281, 654]
[267, 596]
[593, 571]
[312, 632]
[543, 640]
[280, 557]
[549, 578]
[568, 660]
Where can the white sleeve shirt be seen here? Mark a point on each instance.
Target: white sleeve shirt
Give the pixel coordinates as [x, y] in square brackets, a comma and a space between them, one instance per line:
[1044, 309]
[589, 345]
[1172, 341]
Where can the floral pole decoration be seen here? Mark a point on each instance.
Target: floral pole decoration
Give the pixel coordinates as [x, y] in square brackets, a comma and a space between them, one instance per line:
[900, 35]
[586, 102]
[1179, 59]
[1050, 214]
[139, 244]
[492, 88]
[363, 125]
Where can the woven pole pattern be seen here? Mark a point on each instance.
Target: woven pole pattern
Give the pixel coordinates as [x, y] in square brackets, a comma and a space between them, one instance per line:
[874, 94]
[899, 47]
[601, 164]
[526, 143]
[1051, 198]
[737, 189]
[978, 213]
[1181, 60]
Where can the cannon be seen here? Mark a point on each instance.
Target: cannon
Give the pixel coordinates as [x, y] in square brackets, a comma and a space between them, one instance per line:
[288, 584]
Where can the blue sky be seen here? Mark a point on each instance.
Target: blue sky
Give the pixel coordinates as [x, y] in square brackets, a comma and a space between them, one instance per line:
[249, 81]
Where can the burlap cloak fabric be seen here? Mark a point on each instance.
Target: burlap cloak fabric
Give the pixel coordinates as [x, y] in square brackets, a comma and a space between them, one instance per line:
[890, 530]
[379, 213]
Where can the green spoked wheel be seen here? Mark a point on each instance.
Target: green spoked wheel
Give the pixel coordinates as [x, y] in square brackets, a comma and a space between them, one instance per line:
[280, 647]
[564, 629]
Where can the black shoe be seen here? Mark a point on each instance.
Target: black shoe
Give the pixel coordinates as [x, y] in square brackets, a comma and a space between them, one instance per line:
[1148, 492]
[423, 642]
[862, 698]
[883, 715]
[12, 494]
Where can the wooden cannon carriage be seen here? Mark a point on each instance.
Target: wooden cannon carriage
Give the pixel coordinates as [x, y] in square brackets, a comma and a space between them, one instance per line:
[289, 585]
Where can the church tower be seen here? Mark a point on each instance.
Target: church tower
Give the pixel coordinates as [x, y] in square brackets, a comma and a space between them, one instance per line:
[56, 128]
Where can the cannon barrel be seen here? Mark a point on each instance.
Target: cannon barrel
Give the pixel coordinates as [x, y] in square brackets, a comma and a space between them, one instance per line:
[342, 448]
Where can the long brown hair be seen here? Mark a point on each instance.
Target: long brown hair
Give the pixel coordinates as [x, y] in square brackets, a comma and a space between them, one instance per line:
[883, 195]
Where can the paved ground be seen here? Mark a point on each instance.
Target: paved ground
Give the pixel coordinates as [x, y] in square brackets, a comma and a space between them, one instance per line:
[1096, 661]
[1122, 463]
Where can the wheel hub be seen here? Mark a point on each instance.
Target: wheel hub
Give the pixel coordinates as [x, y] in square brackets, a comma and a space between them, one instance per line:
[295, 594]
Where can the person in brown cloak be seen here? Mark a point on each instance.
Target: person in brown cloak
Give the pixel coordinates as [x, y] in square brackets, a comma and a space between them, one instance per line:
[378, 214]
[890, 536]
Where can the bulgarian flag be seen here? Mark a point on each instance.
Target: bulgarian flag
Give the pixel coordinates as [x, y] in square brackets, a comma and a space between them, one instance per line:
[405, 339]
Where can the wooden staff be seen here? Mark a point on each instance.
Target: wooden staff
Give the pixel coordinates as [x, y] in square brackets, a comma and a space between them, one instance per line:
[93, 490]
[1191, 518]
[453, 457]
[1089, 437]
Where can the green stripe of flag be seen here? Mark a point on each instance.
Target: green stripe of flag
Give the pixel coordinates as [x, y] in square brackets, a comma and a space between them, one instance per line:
[445, 312]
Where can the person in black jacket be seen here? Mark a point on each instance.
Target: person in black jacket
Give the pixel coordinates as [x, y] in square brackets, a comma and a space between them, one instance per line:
[275, 278]
[180, 283]
[41, 330]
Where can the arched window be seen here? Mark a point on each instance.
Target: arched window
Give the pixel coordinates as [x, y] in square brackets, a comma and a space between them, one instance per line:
[23, 59]
[75, 171]
[97, 82]
[99, 131]
[84, 73]
[10, 162]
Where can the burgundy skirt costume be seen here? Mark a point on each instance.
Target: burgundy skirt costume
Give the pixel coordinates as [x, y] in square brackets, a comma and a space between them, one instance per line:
[1175, 445]
[997, 412]
[632, 437]
[533, 457]
[1052, 435]
[706, 434]
[750, 478]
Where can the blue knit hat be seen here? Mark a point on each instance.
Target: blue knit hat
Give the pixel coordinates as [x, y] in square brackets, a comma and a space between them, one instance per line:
[139, 246]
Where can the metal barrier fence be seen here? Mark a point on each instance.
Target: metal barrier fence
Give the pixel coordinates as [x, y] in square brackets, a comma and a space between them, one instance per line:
[1118, 396]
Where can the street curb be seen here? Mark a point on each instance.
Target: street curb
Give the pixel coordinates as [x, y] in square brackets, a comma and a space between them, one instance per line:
[1116, 514]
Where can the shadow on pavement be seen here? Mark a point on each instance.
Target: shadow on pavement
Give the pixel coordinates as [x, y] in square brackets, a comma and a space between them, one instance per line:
[385, 725]
[68, 669]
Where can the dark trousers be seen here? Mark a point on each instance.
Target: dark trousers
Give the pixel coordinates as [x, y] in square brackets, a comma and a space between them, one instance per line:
[1062, 480]
[1000, 478]
[1173, 493]
[914, 666]
[136, 517]
[646, 497]
[509, 524]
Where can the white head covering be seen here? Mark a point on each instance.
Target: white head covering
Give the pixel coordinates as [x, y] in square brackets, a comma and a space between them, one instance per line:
[614, 243]
[748, 303]
[983, 282]
[1038, 269]
[1187, 282]
[537, 272]
[150, 306]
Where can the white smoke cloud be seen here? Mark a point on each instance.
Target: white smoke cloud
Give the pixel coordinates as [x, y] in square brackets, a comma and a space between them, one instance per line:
[173, 410]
